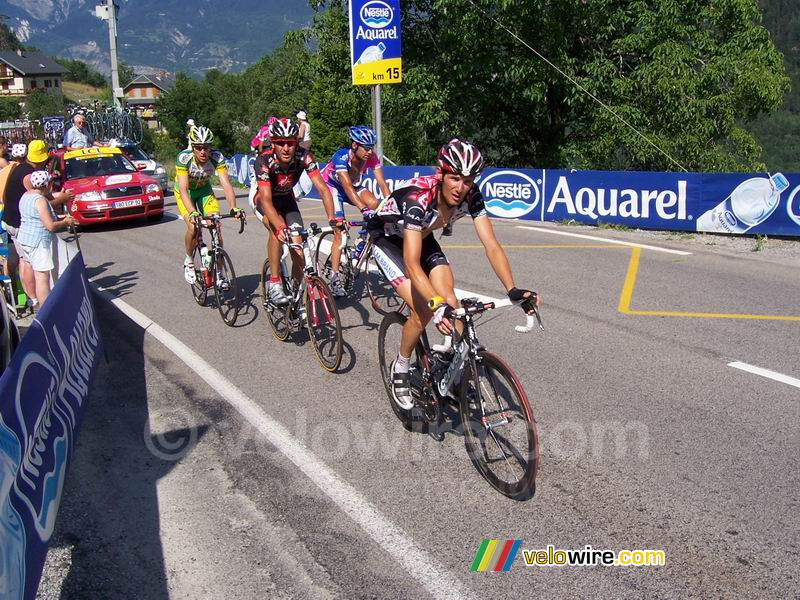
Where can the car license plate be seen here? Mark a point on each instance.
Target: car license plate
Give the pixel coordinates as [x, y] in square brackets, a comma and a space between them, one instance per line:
[127, 203]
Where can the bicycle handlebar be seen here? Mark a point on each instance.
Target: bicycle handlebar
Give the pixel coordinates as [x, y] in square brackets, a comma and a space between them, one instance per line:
[209, 221]
[473, 306]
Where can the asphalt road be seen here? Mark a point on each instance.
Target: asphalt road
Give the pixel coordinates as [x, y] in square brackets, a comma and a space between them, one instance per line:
[705, 466]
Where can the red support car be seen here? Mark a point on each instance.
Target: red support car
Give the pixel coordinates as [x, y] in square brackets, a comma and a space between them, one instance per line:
[107, 186]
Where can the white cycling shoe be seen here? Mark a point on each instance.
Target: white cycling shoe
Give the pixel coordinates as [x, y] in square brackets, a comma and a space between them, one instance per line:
[188, 273]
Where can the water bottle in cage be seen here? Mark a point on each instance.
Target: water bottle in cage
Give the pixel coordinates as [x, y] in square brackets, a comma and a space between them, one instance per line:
[205, 263]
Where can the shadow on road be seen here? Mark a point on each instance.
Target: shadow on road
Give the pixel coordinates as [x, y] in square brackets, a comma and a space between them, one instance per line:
[119, 285]
[108, 530]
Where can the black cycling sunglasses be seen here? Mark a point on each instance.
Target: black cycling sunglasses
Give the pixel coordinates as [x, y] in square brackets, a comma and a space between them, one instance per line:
[367, 147]
[201, 147]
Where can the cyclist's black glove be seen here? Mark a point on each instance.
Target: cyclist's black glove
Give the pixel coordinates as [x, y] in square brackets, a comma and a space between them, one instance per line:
[235, 211]
[528, 304]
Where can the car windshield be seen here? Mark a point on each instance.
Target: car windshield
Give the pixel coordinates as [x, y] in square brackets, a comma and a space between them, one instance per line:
[135, 153]
[97, 166]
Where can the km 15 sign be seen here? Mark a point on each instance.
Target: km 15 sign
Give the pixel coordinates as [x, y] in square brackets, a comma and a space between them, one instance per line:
[375, 42]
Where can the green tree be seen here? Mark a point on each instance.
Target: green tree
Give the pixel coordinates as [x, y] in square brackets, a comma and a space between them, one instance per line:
[40, 104]
[80, 72]
[685, 73]
[125, 73]
[9, 109]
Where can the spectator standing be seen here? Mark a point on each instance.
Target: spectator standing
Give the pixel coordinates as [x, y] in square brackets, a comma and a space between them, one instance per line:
[35, 235]
[4, 157]
[18, 183]
[189, 127]
[305, 131]
[78, 136]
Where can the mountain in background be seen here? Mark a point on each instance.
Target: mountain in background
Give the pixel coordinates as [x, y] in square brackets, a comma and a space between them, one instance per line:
[154, 35]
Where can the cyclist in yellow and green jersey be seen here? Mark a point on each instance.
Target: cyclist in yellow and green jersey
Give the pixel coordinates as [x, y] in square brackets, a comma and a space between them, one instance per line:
[193, 194]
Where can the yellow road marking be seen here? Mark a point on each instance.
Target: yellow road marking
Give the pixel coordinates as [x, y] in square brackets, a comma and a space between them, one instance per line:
[627, 293]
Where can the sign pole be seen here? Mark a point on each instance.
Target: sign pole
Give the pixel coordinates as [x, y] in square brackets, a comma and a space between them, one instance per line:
[378, 124]
[375, 57]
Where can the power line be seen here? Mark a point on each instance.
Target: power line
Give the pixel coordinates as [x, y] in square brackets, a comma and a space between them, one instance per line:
[579, 86]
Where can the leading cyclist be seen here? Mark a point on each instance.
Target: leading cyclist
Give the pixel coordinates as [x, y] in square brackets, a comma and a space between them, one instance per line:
[277, 170]
[343, 175]
[411, 258]
[194, 196]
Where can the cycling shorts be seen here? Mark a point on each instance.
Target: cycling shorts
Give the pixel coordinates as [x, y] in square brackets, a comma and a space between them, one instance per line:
[202, 200]
[339, 198]
[388, 254]
[286, 207]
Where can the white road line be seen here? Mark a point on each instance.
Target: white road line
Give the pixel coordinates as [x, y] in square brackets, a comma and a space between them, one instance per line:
[606, 240]
[766, 373]
[424, 568]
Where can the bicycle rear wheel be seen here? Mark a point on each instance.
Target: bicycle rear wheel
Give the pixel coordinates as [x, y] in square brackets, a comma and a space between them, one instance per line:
[499, 427]
[381, 293]
[322, 321]
[225, 288]
[278, 315]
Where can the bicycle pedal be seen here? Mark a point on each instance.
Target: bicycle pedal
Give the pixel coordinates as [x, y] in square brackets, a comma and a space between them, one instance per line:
[489, 424]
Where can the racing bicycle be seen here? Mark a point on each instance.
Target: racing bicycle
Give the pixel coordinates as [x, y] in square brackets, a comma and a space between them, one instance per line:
[356, 260]
[216, 269]
[310, 301]
[497, 421]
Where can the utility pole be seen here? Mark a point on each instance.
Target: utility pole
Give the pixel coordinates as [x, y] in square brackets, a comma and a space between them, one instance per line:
[108, 12]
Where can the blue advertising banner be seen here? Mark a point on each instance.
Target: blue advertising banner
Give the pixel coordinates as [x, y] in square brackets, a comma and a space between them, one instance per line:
[755, 203]
[42, 400]
[375, 42]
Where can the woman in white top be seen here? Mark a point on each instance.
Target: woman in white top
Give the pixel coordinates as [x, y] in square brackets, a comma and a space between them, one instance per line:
[305, 131]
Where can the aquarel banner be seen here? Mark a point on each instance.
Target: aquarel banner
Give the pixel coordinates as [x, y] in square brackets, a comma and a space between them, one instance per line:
[752, 203]
[43, 396]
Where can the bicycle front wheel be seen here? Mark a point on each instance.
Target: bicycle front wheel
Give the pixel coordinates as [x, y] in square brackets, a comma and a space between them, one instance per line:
[225, 288]
[322, 321]
[499, 427]
[278, 315]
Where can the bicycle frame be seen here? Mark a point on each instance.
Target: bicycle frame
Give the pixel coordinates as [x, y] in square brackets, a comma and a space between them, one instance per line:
[309, 269]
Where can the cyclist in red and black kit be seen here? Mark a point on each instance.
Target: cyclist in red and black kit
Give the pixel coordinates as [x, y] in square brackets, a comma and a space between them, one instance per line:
[277, 170]
[411, 258]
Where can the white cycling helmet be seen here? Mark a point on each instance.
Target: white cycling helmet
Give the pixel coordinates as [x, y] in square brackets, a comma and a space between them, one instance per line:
[19, 151]
[460, 157]
[40, 179]
[200, 135]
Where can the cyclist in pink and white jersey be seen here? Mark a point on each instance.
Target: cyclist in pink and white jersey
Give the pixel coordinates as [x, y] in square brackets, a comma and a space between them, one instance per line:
[343, 174]
[412, 260]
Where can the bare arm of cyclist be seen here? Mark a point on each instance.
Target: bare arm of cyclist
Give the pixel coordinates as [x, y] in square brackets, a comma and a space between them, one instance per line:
[495, 253]
[324, 193]
[412, 251]
[183, 188]
[272, 217]
[230, 195]
[378, 171]
[347, 186]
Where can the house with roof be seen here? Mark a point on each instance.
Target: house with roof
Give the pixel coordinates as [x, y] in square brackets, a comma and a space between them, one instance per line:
[22, 72]
[141, 94]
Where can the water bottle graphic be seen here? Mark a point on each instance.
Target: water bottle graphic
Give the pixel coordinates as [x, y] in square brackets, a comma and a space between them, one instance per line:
[751, 203]
[371, 54]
